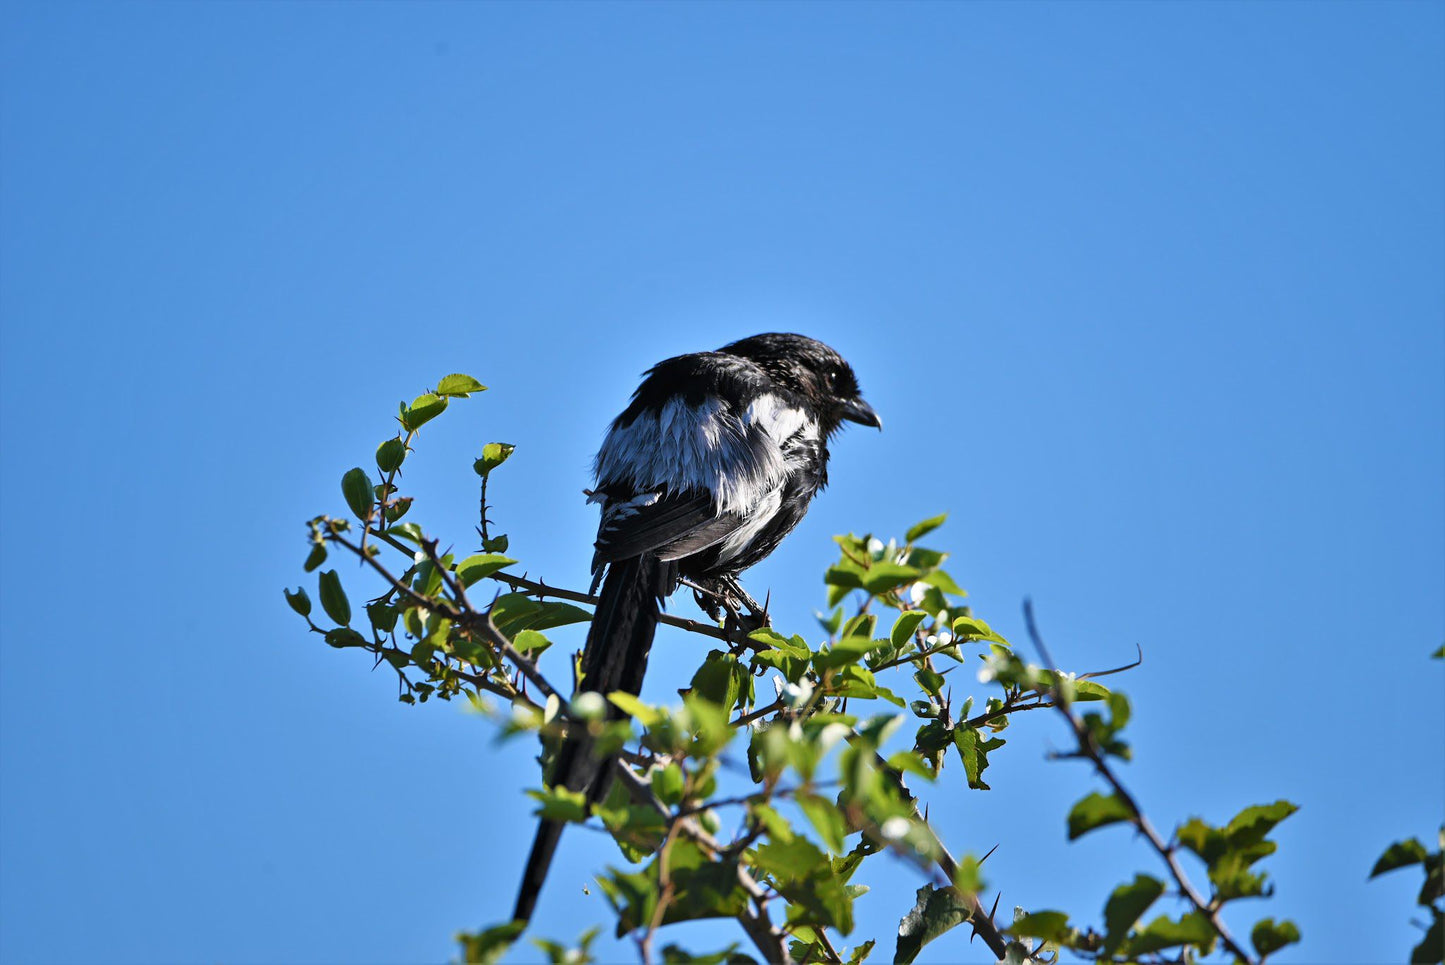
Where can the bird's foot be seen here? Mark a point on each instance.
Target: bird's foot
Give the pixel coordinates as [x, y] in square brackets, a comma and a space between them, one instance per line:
[709, 599]
[757, 615]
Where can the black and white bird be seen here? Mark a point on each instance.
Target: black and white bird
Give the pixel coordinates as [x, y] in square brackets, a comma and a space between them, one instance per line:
[713, 463]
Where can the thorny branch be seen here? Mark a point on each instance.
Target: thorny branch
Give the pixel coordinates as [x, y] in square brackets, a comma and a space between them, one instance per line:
[1166, 851]
[770, 940]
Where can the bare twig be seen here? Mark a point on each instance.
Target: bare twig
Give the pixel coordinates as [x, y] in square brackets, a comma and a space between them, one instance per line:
[1127, 666]
[1166, 852]
[744, 719]
[827, 943]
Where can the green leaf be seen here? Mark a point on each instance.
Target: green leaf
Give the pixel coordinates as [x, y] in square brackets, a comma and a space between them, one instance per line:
[931, 681]
[667, 783]
[847, 651]
[1401, 854]
[882, 577]
[936, 911]
[861, 953]
[1268, 937]
[904, 627]
[1161, 933]
[474, 568]
[861, 625]
[553, 613]
[826, 819]
[703, 888]
[560, 804]
[527, 641]
[422, 410]
[832, 621]
[560, 954]
[487, 947]
[846, 575]
[1439, 654]
[630, 705]
[298, 601]
[972, 628]
[720, 679]
[1051, 926]
[1095, 811]
[973, 750]
[316, 557]
[676, 955]
[514, 611]
[944, 582]
[459, 385]
[382, 615]
[919, 530]
[340, 637]
[333, 598]
[1126, 905]
[910, 762]
[356, 486]
[493, 455]
[389, 455]
[1252, 824]
[924, 559]
[637, 830]
[804, 875]
[409, 531]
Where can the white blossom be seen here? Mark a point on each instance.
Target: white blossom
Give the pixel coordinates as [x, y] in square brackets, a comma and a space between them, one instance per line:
[830, 735]
[916, 591]
[589, 705]
[798, 694]
[894, 828]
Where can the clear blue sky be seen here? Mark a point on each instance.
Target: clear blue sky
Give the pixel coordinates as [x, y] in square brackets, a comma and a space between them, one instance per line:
[1149, 296]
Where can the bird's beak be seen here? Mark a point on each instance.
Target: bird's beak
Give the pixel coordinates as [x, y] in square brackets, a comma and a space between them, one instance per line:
[856, 410]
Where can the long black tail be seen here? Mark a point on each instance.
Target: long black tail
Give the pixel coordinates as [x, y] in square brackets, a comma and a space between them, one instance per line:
[614, 658]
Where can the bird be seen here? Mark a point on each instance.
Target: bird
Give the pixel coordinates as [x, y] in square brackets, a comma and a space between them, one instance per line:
[710, 466]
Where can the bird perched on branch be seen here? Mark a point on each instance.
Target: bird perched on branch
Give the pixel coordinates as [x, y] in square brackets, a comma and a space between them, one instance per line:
[713, 463]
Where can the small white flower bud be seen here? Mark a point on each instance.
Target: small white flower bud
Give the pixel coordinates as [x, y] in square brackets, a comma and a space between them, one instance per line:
[589, 705]
[798, 694]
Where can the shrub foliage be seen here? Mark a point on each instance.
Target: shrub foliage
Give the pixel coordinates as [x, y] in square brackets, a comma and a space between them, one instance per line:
[791, 759]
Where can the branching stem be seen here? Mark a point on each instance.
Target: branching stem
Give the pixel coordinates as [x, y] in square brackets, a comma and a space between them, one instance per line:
[1090, 749]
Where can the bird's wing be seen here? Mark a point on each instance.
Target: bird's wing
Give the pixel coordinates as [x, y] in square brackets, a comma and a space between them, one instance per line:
[670, 526]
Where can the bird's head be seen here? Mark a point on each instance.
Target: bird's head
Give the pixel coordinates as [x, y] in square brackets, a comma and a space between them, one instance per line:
[813, 371]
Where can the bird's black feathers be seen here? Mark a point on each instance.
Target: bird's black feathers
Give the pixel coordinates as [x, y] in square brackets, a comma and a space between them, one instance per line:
[710, 466]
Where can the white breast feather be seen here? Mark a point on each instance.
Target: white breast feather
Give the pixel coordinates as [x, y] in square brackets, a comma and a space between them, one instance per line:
[743, 536]
[705, 447]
